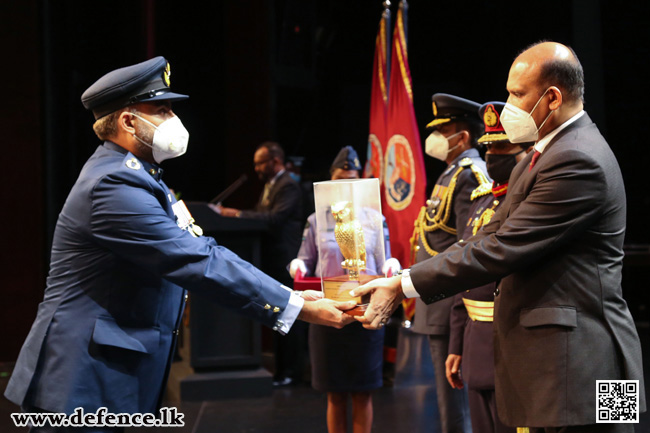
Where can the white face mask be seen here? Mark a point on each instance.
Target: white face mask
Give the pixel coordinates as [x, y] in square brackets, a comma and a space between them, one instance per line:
[437, 145]
[520, 125]
[169, 139]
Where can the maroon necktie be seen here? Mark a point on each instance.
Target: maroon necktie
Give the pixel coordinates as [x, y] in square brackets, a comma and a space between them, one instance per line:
[534, 160]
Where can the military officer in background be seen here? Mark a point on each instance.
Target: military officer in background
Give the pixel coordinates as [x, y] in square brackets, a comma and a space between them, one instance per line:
[346, 363]
[471, 346]
[456, 129]
[123, 254]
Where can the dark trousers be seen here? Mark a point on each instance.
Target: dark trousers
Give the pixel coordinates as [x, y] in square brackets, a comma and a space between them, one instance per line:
[452, 403]
[291, 352]
[483, 412]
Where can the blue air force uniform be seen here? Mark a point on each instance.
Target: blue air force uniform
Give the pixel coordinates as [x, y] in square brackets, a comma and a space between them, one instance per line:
[120, 267]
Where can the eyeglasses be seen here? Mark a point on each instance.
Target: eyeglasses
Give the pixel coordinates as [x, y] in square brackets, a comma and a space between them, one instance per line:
[256, 164]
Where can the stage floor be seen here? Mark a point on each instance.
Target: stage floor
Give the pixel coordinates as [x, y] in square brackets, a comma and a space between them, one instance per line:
[407, 406]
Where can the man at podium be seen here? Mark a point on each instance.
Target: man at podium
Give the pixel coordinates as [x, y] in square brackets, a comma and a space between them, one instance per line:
[280, 205]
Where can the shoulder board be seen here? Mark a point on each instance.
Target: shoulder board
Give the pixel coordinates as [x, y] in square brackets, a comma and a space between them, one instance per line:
[466, 162]
[484, 188]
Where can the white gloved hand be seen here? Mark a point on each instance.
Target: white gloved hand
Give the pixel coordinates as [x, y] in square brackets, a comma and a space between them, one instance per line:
[391, 265]
[297, 265]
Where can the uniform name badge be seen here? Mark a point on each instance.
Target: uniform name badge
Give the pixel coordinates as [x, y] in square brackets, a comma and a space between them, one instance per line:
[184, 219]
[350, 237]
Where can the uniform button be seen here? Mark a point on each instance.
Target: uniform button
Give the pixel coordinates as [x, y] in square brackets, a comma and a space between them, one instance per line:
[152, 171]
[186, 297]
[496, 292]
[267, 307]
[276, 310]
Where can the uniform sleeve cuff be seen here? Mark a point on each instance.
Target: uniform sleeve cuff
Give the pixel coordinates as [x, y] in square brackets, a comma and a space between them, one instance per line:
[290, 314]
[407, 285]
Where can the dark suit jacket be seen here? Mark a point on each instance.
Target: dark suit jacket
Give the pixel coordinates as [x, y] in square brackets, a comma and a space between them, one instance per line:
[284, 215]
[104, 333]
[556, 243]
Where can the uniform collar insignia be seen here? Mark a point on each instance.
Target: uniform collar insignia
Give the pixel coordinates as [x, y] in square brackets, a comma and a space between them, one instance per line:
[133, 164]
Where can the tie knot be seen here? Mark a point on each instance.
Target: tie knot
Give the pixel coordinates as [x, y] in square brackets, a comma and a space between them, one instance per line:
[534, 160]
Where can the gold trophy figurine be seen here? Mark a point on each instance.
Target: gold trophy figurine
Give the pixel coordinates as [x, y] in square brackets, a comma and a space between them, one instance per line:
[349, 236]
[348, 211]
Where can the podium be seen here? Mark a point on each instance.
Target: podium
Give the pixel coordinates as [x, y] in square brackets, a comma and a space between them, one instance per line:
[225, 348]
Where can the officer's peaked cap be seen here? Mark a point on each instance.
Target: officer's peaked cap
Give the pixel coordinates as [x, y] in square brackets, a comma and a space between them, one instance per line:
[447, 108]
[490, 113]
[143, 82]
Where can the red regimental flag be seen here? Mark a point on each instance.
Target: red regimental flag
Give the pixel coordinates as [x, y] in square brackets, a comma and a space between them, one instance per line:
[404, 175]
[378, 105]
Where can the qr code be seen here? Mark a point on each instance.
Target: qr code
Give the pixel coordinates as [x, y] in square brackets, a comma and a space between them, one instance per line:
[617, 401]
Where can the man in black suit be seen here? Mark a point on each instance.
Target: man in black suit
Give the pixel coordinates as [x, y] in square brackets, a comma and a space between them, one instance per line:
[280, 204]
[556, 245]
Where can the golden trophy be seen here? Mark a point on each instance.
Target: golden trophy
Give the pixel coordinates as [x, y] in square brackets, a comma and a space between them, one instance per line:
[350, 234]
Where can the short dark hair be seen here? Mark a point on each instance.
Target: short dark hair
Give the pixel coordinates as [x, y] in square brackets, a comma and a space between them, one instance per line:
[106, 127]
[275, 151]
[473, 126]
[566, 74]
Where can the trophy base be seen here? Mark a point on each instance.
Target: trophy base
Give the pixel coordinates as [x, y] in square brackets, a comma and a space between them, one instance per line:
[359, 310]
[338, 289]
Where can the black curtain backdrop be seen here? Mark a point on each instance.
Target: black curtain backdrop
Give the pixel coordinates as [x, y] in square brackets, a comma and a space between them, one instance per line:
[298, 72]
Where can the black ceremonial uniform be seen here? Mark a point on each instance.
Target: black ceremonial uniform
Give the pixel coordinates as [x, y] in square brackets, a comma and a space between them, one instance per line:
[471, 323]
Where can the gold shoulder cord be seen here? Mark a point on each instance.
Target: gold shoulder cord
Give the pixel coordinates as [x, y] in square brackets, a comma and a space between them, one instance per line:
[484, 188]
[439, 220]
[485, 217]
[480, 176]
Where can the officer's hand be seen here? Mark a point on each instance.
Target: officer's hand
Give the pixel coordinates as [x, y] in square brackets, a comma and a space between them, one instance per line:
[452, 370]
[229, 212]
[311, 295]
[327, 312]
[386, 296]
